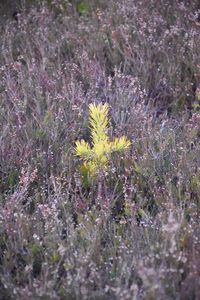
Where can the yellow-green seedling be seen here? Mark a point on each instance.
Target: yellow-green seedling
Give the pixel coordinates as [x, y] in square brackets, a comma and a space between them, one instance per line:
[96, 156]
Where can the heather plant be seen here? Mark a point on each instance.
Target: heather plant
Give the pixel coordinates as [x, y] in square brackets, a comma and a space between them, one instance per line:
[141, 59]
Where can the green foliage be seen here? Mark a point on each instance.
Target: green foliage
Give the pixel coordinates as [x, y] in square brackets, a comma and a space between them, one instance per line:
[82, 7]
[12, 178]
[37, 258]
[96, 158]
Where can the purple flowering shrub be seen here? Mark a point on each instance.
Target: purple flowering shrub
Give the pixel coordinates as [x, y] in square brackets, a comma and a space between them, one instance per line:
[137, 236]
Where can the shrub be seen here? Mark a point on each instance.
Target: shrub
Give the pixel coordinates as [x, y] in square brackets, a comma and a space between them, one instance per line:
[57, 240]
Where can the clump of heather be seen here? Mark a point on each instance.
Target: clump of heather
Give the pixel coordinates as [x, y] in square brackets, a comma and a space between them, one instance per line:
[133, 232]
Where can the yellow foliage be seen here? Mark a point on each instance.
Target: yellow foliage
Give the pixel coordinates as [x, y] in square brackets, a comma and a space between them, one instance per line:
[96, 158]
[120, 144]
[99, 122]
[83, 149]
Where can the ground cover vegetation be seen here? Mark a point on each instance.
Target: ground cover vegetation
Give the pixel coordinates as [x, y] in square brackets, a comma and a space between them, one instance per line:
[132, 230]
